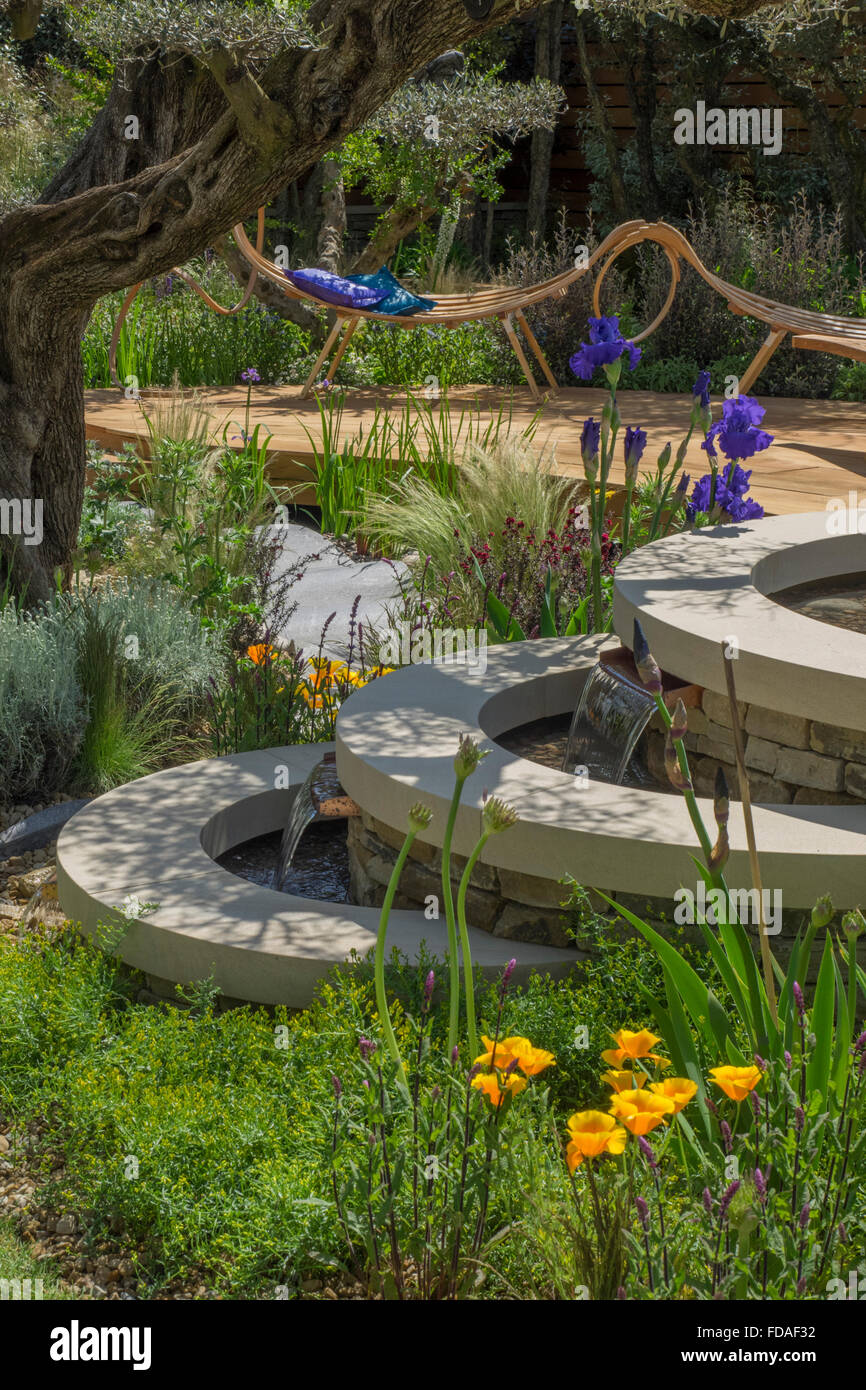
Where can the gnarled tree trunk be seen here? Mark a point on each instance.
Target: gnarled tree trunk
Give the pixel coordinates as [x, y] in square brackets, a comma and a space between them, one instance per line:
[212, 146]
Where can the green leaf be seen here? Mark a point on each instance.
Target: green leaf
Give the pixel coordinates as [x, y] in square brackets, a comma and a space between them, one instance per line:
[690, 987]
[818, 1065]
[505, 623]
[548, 607]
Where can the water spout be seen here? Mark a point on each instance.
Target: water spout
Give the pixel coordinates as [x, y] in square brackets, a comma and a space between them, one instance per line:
[320, 797]
[610, 717]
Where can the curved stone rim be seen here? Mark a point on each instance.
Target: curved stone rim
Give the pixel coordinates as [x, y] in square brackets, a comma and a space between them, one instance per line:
[396, 740]
[156, 839]
[693, 590]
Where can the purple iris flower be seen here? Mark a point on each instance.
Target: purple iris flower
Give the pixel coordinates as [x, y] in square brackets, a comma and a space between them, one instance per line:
[635, 443]
[737, 432]
[250, 376]
[728, 494]
[701, 389]
[606, 344]
[590, 439]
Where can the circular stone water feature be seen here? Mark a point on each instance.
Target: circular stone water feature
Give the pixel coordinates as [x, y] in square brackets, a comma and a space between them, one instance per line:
[839, 601]
[802, 685]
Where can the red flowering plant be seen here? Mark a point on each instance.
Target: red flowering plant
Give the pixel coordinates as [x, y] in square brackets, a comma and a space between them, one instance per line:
[536, 586]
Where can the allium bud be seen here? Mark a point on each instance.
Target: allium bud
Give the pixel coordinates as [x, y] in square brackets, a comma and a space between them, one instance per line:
[496, 815]
[721, 798]
[823, 912]
[643, 1212]
[420, 817]
[672, 766]
[718, 856]
[468, 757]
[645, 662]
[679, 721]
[853, 924]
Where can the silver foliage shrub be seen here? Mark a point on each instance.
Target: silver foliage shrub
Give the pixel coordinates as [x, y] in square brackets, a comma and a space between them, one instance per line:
[42, 709]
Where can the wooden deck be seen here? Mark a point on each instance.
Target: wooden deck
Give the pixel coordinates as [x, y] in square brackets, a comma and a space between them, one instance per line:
[818, 453]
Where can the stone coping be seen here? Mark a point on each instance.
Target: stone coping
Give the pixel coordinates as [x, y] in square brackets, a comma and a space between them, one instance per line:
[694, 589]
[396, 740]
[156, 839]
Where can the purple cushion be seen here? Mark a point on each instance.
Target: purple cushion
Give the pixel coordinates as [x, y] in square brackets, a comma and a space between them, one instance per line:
[333, 289]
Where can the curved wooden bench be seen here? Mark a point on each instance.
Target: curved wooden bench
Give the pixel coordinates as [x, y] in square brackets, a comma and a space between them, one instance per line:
[504, 303]
[811, 330]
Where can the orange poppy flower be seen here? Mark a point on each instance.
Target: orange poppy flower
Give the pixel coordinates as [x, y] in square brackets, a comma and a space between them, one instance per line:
[592, 1133]
[624, 1080]
[640, 1111]
[496, 1086]
[736, 1082]
[679, 1089]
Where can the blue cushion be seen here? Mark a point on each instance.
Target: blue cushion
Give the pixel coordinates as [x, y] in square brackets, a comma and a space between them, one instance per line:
[395, 299]
[333, 289]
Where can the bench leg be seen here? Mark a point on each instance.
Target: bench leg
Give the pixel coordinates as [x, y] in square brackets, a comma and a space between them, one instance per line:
[520, 355]
[344, 343]
[329, 343]
[533, 343]
[761, 358]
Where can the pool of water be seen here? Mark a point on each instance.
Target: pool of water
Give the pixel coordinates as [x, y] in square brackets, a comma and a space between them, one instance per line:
[839, 601]
[545, 741]
[320, 868]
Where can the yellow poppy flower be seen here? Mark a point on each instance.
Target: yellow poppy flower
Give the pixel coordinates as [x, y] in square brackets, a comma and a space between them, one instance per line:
[640, 1111]
[679, 1089]
[497, 1086]
[593, 1133]
[736, 1082]
[624, 1080]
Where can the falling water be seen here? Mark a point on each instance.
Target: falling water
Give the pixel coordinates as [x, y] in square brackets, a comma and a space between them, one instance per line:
[302, 813]
[610, 717]
[322, 785]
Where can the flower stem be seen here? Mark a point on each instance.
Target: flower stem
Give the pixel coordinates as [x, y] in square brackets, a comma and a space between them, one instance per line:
[468, 982]
[379, 967]
[689, 795]
[448, 898]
